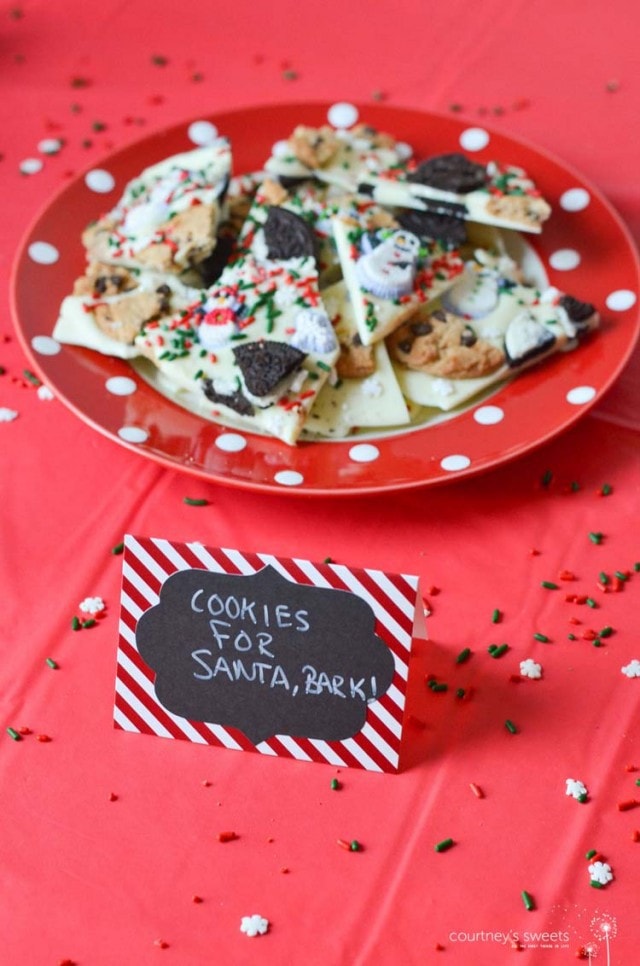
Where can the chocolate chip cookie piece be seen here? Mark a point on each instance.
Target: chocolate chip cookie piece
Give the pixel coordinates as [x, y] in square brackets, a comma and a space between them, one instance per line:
[356, 360]
[444, 345]
[288, 235]
[450, 172]
[264, 364]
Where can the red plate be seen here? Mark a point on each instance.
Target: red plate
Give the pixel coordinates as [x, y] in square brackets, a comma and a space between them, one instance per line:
[584, 248]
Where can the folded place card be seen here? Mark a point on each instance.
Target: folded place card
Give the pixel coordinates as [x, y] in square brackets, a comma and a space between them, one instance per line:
[261, 653]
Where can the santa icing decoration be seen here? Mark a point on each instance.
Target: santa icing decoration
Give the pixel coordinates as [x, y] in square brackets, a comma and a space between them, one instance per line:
[388, 266]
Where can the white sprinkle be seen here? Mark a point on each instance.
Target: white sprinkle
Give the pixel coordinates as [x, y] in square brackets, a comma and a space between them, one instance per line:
[632, 670]
[231, 442]
[575, 788]
[133, 434]
[600, 872]
[120, 386]
[474, 139]
[530, 669]
[31, 166]
[580, 395]
[254, 925]
[342, 115]
[92, 605]
[7, 415]
[564, 259]
[488, 415]
[621, 300]
[289, 478]
[45, 393]
[44, 345]
[49, 145]
[43, 253]
[202, 133]
[280, 149]
[455, 462]
[364, 453]
[99, 181]
[403, 150]
[575, 199]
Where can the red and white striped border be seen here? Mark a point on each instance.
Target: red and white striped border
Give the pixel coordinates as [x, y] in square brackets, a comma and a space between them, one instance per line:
[148, 562]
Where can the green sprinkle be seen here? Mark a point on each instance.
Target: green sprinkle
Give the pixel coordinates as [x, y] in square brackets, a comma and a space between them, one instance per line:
[529, 904]
[499, 651]
[637, 781]
[492, 648]
[549, 585]
[75, 624]
[636, 566]
[596, 537]
[190, 501]
[323, 365]
[335, 784]
[590, 854]
[51, 663]
[464, 655]
[606, 631]
[546, 478]
[31, 377]
[603, 578]
[606, 489]
[509, 725]
[199, 374]
[460, 692]
[90, 622]
[596, 885]
[597, 642]
[541, 637]
[14, 734]
[435, 686]
[574, 486]
[571, 637]
[496, 617]
[583, 798]
[355, 846]
[444, 845]
[620, 575]
[119, 547]
[590, 602]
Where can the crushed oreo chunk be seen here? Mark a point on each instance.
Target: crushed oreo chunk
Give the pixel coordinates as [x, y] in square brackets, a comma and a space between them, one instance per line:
[468, 337]
[264, 364]
[450, 172]
[422, 328]
[448, 229]
[235, 400]
[288, 235]
[576, 310]
[210, 269]
[525, 339]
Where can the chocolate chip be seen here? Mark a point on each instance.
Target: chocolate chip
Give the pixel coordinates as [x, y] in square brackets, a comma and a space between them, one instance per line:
[468, 337]
[163, 290]
[421, 328]
[449, 230]
[264, 364]
[405, 345]
[450, 172]
[576, 310]
[287, 235]
[287, 181]
[236, 401]
[440, 315]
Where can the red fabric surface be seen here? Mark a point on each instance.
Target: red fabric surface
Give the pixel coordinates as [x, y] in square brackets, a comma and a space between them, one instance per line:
[101, 881]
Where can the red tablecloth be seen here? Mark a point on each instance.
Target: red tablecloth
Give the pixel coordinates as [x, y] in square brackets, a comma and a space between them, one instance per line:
[107, 837]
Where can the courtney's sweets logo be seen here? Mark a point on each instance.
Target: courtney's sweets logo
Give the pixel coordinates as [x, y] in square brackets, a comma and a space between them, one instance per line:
[530, 939]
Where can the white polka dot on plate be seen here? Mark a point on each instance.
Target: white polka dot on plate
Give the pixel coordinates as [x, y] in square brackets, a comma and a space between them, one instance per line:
[455, 462]
[120, 386]
[564, 259]
[202, 132]
[99, 181]
[44, 345]
[364, 453]
[31, 166]
[289, 478]
[488, 415]
[342, 115]
[133, 434]
[474, 139]
[580, 395]
[575, 199]
[620, 300]
[231, 442]
[43, 253]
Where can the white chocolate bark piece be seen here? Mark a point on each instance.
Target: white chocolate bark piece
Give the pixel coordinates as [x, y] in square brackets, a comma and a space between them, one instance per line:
[389, 275]
[258, 345]
[167, 217]
[106, 316]
[373, 399]
[508, 198]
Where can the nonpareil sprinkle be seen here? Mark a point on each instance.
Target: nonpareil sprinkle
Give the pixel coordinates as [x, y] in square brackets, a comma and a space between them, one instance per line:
[190, 501]
[527, 899]
[596, 537]
[496, 617]
[52, 664]
[542, 638]
[335, 785]
[548, 585]
[118, 549]
[444, 845]
[464, 655]
[14, 734]
[509, 725]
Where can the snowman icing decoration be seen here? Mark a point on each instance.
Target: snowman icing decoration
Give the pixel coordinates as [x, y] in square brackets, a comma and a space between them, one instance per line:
[387, 268]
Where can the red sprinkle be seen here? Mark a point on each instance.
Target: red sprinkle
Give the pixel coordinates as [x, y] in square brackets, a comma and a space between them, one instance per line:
[227, 836]
[630, 768]
[196, 899]
[44, 738]
[25, 731]
[113, 797]
[575, 620]
[160, 943]
[630, 803]
[477, 791]
[566, 575]
[635, 835]
[515, 678]
[589, 634]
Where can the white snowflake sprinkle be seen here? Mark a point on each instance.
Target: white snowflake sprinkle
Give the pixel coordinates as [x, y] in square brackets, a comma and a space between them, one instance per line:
[632, 670]
[575, 788]
[601, 872]
[254, 925]
[45, 393]
[92, 605]
[530, 669]
[7, 415]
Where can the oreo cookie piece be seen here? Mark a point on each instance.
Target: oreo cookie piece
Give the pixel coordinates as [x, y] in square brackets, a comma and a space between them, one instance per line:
[235, 400]
[264, 364]
[288, 235]
[448, 229]
[211, 268]
[579, 312]
[450, 172]
[525, 339]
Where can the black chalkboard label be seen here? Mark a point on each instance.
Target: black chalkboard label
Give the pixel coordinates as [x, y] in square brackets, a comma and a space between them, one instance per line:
[264, 655]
